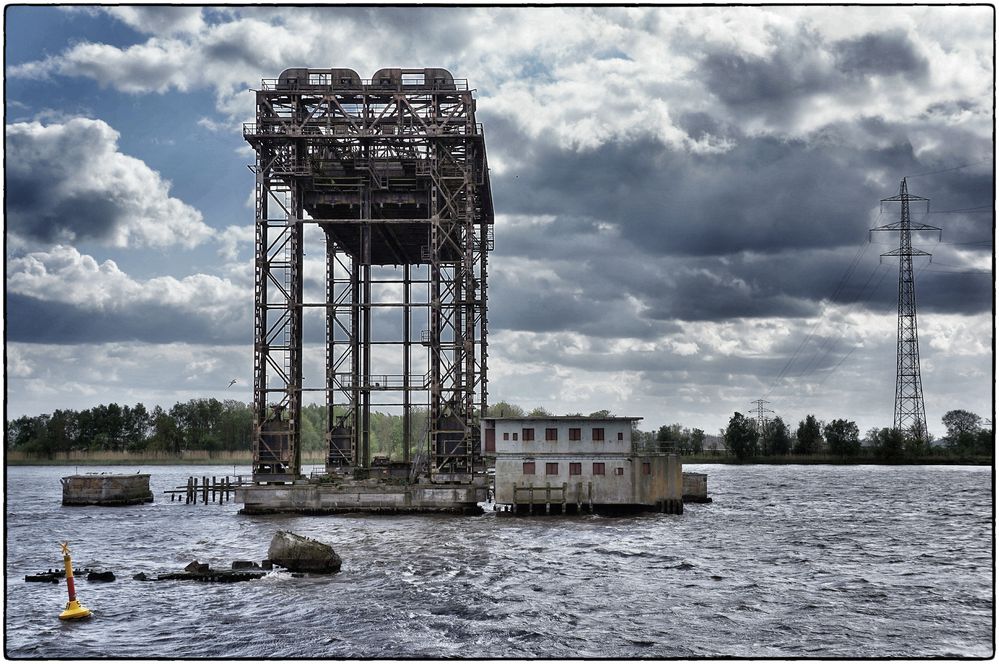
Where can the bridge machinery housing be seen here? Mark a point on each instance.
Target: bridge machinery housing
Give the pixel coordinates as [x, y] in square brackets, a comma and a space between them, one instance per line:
[393, 171]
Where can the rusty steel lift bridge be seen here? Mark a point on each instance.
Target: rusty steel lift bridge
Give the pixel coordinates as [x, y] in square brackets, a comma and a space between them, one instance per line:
[393, 172]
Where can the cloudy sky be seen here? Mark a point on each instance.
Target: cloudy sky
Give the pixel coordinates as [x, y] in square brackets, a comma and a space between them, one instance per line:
[682, 197]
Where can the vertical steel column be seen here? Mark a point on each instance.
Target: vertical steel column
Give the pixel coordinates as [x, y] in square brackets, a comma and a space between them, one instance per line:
[260, 303]
[355, 359]
[407, 365]
[366, 344]
[294, 386]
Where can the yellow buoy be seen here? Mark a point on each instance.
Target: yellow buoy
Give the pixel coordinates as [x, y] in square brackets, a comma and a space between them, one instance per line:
[74, 609]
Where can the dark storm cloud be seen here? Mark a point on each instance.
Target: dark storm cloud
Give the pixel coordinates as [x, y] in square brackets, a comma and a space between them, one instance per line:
[764, 195]
[764, 84]
[769, 228]
[33, 213]
[34, 320]
[884, 54]
[68, 181]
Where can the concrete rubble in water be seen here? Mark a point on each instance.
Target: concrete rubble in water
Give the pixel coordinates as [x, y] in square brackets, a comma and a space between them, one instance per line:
[302, 554]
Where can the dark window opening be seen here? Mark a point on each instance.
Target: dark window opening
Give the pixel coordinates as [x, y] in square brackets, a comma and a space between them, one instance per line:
[551, 434]
[598, 434]
[528, 434]
[575, 434]
[528, 467]
[551, 469]
[575, 469]
[598, 468]
[646, 468]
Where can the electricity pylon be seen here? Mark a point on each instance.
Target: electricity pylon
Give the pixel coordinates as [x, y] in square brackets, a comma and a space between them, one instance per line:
[761, 418]
[910, 412]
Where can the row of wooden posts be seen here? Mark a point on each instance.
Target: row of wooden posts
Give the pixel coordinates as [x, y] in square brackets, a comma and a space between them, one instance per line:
[210, 489]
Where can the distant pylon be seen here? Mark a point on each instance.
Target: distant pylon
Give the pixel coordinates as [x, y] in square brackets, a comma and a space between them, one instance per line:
[761, 417]
[910, 412]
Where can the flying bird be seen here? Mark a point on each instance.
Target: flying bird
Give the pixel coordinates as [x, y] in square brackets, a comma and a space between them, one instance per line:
[231, 383]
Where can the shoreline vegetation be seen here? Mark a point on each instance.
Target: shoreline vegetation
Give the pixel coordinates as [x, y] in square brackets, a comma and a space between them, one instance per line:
[212, 432]
[245, 458]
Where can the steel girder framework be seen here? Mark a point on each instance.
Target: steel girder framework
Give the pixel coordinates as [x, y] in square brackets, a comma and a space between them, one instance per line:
[910, 411]
[393, 170]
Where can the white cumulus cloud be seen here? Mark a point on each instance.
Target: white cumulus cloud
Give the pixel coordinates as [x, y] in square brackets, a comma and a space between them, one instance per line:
[68, 181]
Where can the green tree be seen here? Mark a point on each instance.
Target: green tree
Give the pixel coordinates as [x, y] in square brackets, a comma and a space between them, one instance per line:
[809, 436]
[843, 438]
[600, 414]
[697, 441]
[888, 444]
[776, 438]
[504, 409]
[539, 411]
[740, 436]
[165, 436]
[963, 428]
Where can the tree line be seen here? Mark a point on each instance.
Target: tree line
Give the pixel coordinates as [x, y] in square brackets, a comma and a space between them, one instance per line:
[966, 438]
[201, 424]
[212, 425]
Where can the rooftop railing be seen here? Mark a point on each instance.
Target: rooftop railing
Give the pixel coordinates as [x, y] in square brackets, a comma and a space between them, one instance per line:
[345, 130]
[364, 85]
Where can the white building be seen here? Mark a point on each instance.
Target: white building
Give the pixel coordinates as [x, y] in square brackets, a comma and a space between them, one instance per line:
[578, 463]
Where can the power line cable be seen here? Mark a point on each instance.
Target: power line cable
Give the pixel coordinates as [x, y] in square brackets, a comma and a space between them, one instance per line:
[849, 271]
[948, 170]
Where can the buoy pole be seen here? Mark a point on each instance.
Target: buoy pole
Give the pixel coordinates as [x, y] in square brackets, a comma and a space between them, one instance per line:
[74, 609]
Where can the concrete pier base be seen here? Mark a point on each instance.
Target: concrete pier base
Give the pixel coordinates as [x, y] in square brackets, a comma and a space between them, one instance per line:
[108, 490]
[695, 488]
[366, 496]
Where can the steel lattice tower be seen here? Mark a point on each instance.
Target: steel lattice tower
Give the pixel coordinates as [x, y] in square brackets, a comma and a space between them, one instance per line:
[393, 171]
[910, 412]
[761, 415]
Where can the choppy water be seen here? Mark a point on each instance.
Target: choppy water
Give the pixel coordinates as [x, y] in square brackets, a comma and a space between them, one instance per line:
[816, 561]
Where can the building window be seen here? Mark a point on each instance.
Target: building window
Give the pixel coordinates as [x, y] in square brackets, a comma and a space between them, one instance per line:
[506, 435]
[575, 469]
[575, 434]
[551, 434]
[598, 434]
[528, 434]
[620, 435]
[619, 471]
[598, 468]
[528, 467]
[551, 469]
[646, 468]
[515, 435]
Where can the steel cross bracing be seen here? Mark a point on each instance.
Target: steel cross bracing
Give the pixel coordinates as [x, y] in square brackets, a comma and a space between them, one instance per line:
[393, 170]
[761, 417]
[910, 411]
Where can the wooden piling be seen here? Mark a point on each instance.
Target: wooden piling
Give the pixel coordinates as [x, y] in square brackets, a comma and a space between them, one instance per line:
[565, 485]
[548, 497]
[190, 489]
[204, 490]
